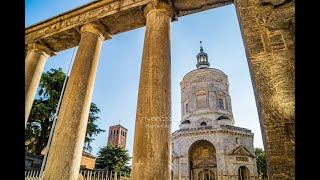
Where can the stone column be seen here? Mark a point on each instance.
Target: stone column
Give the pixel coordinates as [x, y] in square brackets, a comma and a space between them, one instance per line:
[67, 142]
[152, 140]
[36, 58]
[268, 31]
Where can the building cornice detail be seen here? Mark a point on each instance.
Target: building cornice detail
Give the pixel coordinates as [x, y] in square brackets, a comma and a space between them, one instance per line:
[201, 131]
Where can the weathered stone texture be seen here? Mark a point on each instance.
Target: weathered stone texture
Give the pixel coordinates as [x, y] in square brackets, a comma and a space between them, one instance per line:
[37, 55]
[152, 139]
[233, 146]
[62, 32]
[211, 84]
[268, 28]
[67, 142]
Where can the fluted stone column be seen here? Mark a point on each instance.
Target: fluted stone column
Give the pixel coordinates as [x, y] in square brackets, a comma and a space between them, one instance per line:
[36, 58]
[152, 140]
[67, 142]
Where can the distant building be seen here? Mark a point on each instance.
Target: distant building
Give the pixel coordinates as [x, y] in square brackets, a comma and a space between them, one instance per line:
[88, 160]
[34, 162]
[118, 135]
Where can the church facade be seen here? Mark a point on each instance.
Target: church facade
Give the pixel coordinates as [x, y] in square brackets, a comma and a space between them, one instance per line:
[207, 145]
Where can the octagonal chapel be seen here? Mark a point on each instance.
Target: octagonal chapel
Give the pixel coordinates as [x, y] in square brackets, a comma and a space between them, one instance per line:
[207, 145]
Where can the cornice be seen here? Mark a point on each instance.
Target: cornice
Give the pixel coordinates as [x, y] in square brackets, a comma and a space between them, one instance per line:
[201, 131]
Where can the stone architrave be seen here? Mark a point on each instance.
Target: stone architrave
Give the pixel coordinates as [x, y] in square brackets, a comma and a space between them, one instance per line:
[152, 140]
[37, 55]
[68, 138]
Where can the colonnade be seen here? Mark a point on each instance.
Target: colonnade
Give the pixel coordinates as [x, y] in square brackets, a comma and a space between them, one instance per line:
[154, 99]
[268, 34]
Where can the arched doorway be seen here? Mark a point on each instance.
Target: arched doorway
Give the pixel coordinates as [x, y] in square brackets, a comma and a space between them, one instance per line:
[203, 161]
[244, 173]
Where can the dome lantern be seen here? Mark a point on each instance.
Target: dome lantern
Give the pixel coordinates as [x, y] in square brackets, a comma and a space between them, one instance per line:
[202, 58]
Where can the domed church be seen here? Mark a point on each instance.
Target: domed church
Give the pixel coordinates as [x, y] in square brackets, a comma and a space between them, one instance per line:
[207, 145]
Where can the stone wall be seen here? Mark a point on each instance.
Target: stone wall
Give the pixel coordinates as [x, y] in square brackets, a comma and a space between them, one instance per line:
[212, 85]
[88, 160]
[34, 162]
[268, 31]
[224, 141]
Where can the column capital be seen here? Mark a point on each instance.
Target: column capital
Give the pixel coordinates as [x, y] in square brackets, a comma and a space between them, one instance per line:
[96, 28]
[40, 48]
[158, 6]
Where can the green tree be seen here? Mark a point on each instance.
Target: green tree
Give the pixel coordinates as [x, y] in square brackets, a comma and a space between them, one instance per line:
[92, 128]
[261, 163]
[113, 158]
[41, 116]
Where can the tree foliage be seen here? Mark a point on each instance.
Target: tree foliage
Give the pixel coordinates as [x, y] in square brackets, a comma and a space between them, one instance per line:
[92, 128]
[40, 119]
[261, 163]
[113, 158]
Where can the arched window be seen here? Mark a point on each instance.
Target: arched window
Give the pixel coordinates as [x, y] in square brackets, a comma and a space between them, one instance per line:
[185, 122]
[203, 124]
[223, 117]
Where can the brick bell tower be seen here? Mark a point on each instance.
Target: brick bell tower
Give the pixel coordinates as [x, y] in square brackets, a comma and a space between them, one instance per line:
[117, 135]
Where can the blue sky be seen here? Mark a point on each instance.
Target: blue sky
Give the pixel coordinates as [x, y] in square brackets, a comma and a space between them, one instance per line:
[117, 80]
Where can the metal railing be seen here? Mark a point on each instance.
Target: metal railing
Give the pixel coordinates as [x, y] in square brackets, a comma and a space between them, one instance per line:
[99, 174]
[32, 175]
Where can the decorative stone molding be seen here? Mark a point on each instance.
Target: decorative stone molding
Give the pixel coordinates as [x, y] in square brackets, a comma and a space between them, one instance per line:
[36, 47]
[96, 28]
[197, 76]
[203, 131]
[240, 151]
[240, 158]
[201, 91]
[202, 119]
[158, 7]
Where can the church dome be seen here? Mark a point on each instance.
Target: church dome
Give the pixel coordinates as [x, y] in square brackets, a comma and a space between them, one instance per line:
[205, 94]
